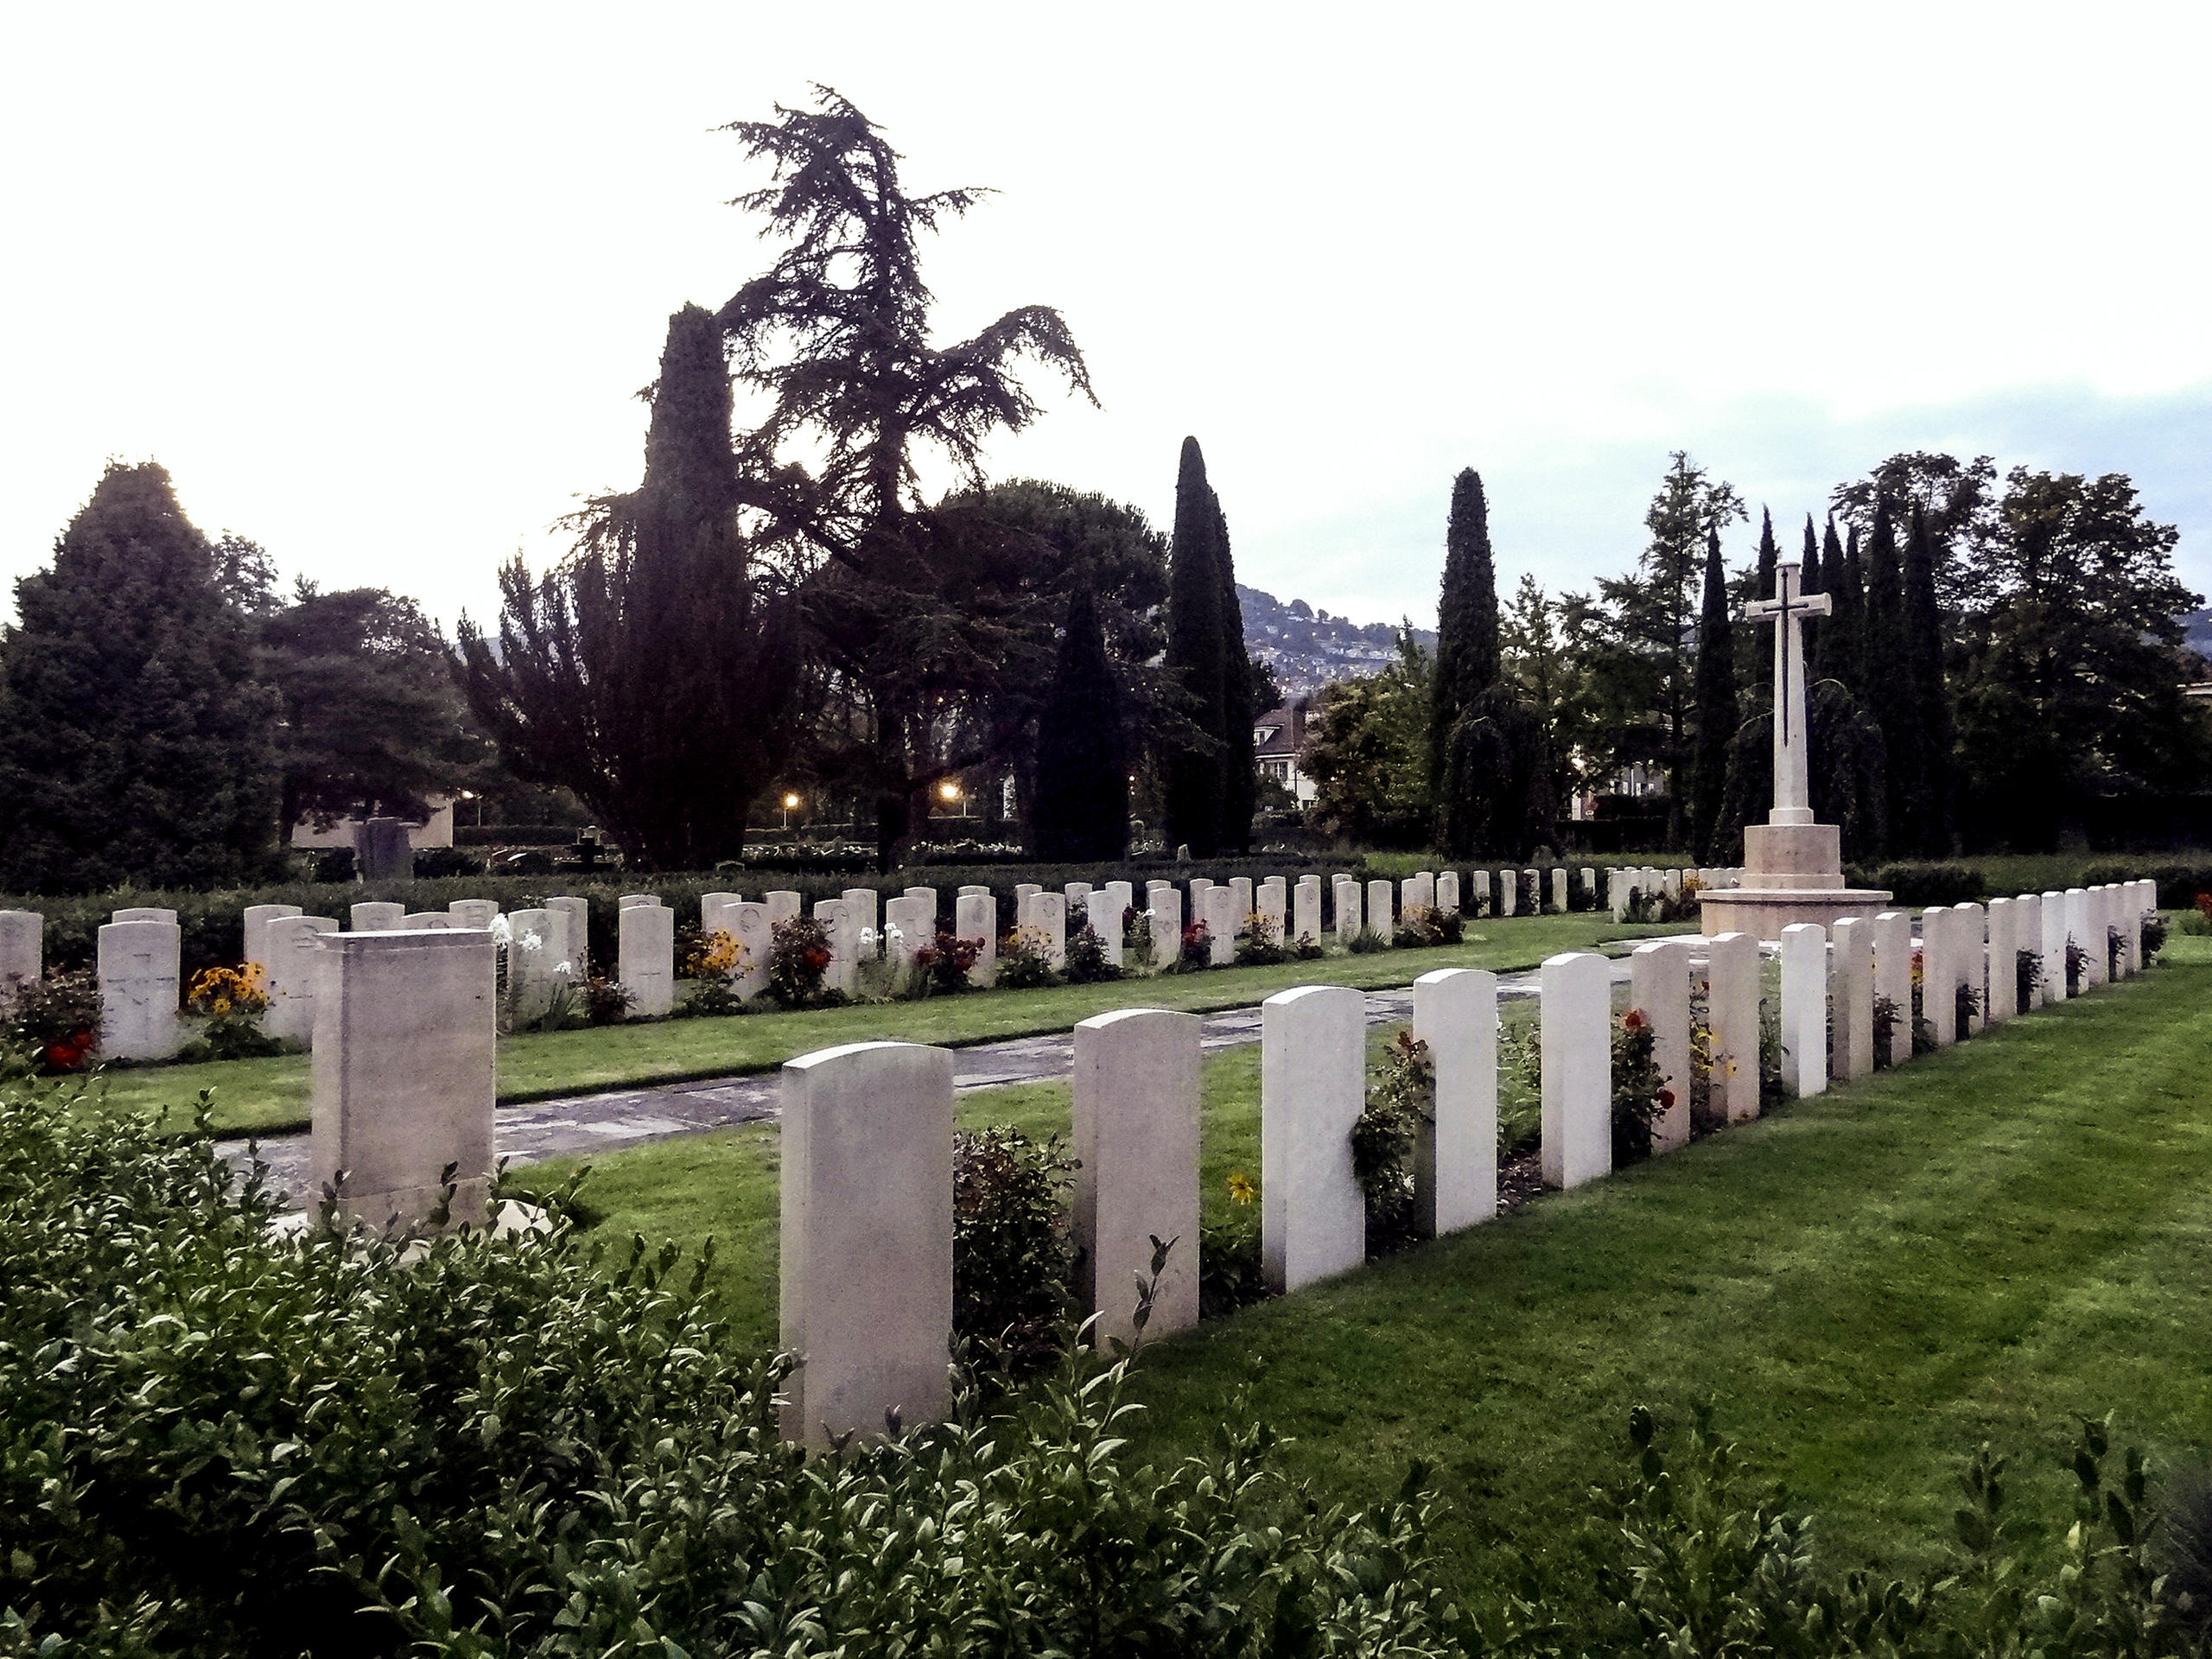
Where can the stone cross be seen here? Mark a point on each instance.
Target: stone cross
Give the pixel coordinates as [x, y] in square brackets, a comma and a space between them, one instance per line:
[1788, 611]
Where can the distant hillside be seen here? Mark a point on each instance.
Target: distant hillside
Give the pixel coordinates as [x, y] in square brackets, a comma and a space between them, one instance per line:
[2196, 631]
[1309, 648]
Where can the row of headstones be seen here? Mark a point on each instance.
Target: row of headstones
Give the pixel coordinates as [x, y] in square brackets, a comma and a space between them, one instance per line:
[1832, 978]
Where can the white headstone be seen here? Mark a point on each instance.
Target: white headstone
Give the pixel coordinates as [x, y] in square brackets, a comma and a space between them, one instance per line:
[926, 897]
[975, 917]
[1509, 892]
[1447, 892]
[1970, 959]
[1805, 1009]
[1242, 887]
[1617, 892]
[711, 908]
[377, 917]
[1577, 1017]
[474, 912]
[1380, 922]
[1347, 896]
[138, 973]
[1023, 892]
[145, 913]
[294, 944]
[1455, 1147]
[835, 919]
[1078, 894]
[1221, 921]
[1659, 989]
[1270, 900]
[1104, 913]
[784, 906]
[1732, 999]
[905, 921]
[1313, 1089]
[1136, 1088]
[536, 962]
[1559, 890]
[861, 910]
[1939, 974]
[2027, 935]
[2003, 962]
[1123, 897]
[755, 936]
[1479, 884]
[257, 917]
[22, 934]
[1417, 892]
[1589, 887]
[1195, 892]
[1852, 976]
[2080, 928]
[405, 1073]
[866, 1262]
[578, 936]
[974, 893]
[2055, 933]
[1671, 883]
[630, 899]
[1305, 910]
[1048, 915]
[646, 951]
[438, 921]
[1893, 978]
[1167, 908]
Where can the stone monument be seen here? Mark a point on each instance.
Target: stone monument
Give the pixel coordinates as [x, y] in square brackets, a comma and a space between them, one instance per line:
[1793, 867]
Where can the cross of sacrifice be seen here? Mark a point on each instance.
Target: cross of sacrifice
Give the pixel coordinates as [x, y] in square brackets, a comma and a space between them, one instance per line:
[1788, 611]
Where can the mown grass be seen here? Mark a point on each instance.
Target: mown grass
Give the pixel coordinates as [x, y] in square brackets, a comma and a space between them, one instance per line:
[1976, 1247]
[270, 1096]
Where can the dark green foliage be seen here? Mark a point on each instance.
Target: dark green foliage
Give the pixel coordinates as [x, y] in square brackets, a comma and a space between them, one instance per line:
[1023, 965]
[1468, 662]
[1769, 560]
[1365, 753]
[1081, 811]
[1847, 775]
[1011, 1257]
[1931, 809]
[1717, 714]
[1841, 649]
[1918, 887]
[655, 672]
[798, 956]
[373, 723]
[221, 1444]
[1498, 779]
[1260, 943]
[134, 738]
[1640, 1094]
[55, 1023]
[1403, 1094]
[1210, 780]
[1889, 691]
[1088, 963]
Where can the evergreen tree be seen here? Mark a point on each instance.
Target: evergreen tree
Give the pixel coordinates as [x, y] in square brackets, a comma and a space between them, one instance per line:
[1809, 581]
[654, 672]
[1240, 785]
[1924, 643]
[1197, 802]
[1716, 700]
[1888, 693]
[1081, 814]
[134, 738]
[1467, 642]
[1842, 634]
[1847, 780]
[1770, 559]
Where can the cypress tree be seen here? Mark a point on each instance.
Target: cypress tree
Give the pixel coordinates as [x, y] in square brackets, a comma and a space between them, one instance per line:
[1809, 581]
[1716, 701]
[1769, 557]
[1923, 648]
[1888, 693]
[1196, 784]
[1082, 812]
[1468, 653]
[1239, 792]
[134, 741]
[1844, 633]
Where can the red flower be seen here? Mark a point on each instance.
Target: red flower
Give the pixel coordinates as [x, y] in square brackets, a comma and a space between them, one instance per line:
[1632, 1020]
[1666, 1100]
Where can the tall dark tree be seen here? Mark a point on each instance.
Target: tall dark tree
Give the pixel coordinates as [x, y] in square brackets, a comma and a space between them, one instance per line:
[1809, 582]
[1848, 777]
[1082, 813]
[1842, 637]
[912, 612]
[1923, 644]
[1717, 712]
[1197, 796]
[1888, 693]
[655, 671]
[1770, 558]
[134, 745]
[1240, 796]
[373, 722]
[1468, 635]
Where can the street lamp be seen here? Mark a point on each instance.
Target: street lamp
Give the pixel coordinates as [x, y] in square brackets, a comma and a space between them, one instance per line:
[791, 805]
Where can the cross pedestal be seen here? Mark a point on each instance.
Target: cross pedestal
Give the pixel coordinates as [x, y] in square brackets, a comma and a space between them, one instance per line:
[1793, 867]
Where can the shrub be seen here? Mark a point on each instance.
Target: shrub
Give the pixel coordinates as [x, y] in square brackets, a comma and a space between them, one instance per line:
[945, 965]
[1640, 1093]
[56, 1021]
[1424, 927]
[1366, 943]
[607, 1000]
[1136, 934]
[432, 862]
[2154, 936]
[1520, 1089]
[2027, 975]
[1918, 887]
[230, 1001]
[1011, 1254]
[1402, 1095]
[1308, 948]
[1088, 963]
[798, 956]
[1025, 963]
[2115, 951]
[1885, 1025]
[1259, 942]
[710, 999]
[217, 1443]
[1197, 947]
[1966, 1009]
[2077, 966]
[709, 955]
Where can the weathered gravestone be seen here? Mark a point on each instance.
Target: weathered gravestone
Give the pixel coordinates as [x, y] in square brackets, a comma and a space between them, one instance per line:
[866, 1265]
[835, 918]
[1166, 926]
[1048, 917]
[1345, 895]
[256, 917]
[2003, 962]
[861, 909]
[1313, 1089]
[1305, 910]
[145, 913]
[645, 955]
[1103, 913]
[474, 912]
[1241, 886]
[295, 964]
[748, 925]
[22, 934]
[1576, 1017]
[1939, 974]
[1508, 893]
[1805, 1009]
[2054, 946]
[2027, 935]
[976, 919]
[376, 917]
[405, 1074]
[578, 934]
[784, 906]
[138, 974]
[1447, 892]
[1659, 989]
[1222, 921]
[1380, 921]
[417, 921]
[1455, 1145]
[1559, 890]
[926, 897]
[536, 964]
[905, 925]
[1270, 899]
[1479, 884]
[1136, 1138]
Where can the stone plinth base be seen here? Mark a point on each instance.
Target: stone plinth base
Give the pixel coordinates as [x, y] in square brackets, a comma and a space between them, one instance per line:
[1765, 912]
[1793, 856]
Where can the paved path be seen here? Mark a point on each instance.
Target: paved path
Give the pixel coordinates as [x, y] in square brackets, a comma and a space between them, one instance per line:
[630, 1117]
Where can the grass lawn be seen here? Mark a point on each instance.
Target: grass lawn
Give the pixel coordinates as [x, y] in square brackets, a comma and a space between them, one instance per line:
[271, 1095]
[1976, 1247]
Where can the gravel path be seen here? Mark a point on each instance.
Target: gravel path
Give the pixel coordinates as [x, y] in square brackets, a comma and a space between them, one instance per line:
[631, 1117]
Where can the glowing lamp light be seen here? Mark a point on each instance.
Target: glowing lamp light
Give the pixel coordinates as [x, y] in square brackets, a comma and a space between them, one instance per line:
[791, 802]
[950, 792]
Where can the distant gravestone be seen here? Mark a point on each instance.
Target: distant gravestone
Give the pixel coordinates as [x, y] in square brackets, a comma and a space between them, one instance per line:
[1269, 903]
[381, 852]
[1417, 890]
[22, 934]
[1447, 892]
[861, 908]
[1805, 1009]
[474, 912]
[925, 897]
[1938, 975]
[1346, 897]
[578, 936]
[416, 921]
[1242, 887]
[629, 899]
[1851, 973]
[2027, 935]
[748, 925]
[1479, 884]
[1559, 890]
[1221, 920]
[377, 917]
[1305, 910]
[405, 1074]
[256, 917]
[866, 1262]
[1048, 916]
[1659, 988]
[295, 964]
[1135, 1088]
[1122, 895]
[713, 918]
[1970, 960]
[2054, 946]
[1166, 909]
[975, 918]
[1575, 1017]
[145, 913]
[1313, 1089]
[138, 980]
[1104, 914]
[536, 962]
[646, 950]
[1380, 921]
[905, 930]
[1508, 893]
[1455, 1145]
[835, 918]
[783, 906]
[2003, 962]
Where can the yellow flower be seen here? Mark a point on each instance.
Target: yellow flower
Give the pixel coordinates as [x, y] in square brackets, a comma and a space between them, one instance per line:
[222, 1005]
[1241, 1190]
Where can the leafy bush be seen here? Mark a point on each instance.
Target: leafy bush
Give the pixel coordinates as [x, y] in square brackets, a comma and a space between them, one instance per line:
[1968, 1009]
[2154, 936]
[1025, 962]
[798, 956]
[946, 964]
[1885, 1025]
[56, 1021]
[1011, 1253]
[1918, 887]
[230, 1001]
[432, 862]
[1088, 963]
[1197, 947]
[1402, 1096]
[220, 1444]
[607, 1000]
[1231, 1270]
[2027, 972]
[1640, 1092]
[1259, 942]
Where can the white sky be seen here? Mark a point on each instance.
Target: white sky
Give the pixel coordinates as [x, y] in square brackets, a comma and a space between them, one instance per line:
[378, 287]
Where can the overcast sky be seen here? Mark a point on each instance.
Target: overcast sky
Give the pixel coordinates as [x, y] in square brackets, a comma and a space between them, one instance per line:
[378, 285]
